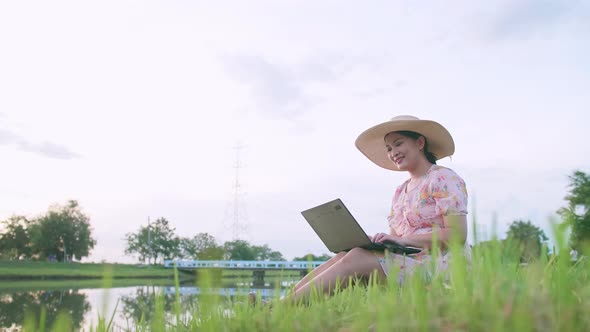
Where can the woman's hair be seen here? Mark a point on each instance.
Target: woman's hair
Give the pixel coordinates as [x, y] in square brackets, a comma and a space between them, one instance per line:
[414, 135]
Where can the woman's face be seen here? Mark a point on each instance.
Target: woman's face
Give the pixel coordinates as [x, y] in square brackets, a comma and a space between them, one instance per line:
[404, 151]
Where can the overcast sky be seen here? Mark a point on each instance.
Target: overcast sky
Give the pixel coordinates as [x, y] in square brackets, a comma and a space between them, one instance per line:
[134, 108]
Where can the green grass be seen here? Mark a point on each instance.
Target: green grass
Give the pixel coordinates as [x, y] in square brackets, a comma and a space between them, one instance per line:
[493, 293]
[46, 270]
[11, 270]
[46, 285]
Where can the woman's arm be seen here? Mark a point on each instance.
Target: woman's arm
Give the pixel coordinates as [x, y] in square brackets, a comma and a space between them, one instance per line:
[456, 226]
[377, 236]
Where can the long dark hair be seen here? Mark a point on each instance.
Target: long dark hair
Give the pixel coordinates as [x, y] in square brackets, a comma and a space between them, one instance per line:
[414, 135]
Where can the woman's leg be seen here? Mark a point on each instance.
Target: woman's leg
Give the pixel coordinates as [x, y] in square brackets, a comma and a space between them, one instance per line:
[318, 270]
[313, 273]
[356, 263]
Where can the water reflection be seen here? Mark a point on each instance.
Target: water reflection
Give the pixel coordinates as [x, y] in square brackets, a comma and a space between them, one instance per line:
[141, 305]
[133, 304]
[14, 305]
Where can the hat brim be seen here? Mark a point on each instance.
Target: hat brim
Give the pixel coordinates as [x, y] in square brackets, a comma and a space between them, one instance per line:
[371, 141]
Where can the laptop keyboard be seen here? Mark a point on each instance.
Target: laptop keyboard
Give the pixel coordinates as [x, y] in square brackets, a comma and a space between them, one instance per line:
[393, 247]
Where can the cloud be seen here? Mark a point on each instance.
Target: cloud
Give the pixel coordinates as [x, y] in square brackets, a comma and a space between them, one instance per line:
[275, 87]
[281, 89]
[525, 18]
[46, 149]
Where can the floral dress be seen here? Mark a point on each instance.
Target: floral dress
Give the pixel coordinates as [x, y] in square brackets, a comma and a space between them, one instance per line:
[440, 192]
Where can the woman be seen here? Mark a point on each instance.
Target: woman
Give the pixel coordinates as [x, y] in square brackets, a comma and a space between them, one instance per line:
[434, 197]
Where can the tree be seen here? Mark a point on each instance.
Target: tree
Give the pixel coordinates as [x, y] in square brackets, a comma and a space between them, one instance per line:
[311, 257]
[527, 239]
[154, 241]
[188, 248]
[264, 253]
[238, 250]
[275, 256]
[202, 246]
[577, 213]
[166, 241]
[241, 250]
[139, 243]
[63, 232]
[15, 242]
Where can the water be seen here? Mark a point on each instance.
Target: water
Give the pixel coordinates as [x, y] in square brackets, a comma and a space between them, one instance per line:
[126, 304]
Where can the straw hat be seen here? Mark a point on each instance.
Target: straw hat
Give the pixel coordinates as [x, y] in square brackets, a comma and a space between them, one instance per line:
[371, 141]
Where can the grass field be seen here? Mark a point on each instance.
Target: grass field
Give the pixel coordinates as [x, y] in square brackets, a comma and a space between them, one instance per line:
[52, 284]
[492, 293]
[45, 270]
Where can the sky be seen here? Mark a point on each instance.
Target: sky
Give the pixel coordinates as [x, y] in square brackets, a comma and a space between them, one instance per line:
[136, 109]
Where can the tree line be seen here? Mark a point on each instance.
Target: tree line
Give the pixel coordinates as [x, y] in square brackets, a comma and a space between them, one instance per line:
[158, 241]
[64, 233]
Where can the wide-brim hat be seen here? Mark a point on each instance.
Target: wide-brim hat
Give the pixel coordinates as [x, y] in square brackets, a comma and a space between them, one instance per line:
[371, 142]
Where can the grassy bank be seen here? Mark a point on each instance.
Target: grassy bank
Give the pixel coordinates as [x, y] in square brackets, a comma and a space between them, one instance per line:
[45, 270]
[51, 284]
[492, 293]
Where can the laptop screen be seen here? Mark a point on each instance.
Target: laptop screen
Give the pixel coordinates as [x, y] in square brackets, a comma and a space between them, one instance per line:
[336, 227]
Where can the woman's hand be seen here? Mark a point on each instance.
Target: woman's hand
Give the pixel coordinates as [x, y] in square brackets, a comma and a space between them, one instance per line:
[384, 237]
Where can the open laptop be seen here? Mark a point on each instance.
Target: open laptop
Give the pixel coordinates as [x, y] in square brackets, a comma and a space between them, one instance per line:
[339, 231]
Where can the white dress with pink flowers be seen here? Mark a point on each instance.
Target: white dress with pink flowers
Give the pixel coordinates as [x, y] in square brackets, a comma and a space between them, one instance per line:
[440, 192]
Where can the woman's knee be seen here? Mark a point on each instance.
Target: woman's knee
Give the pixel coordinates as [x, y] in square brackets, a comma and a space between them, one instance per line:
[360, 262]
[336, 258]
[359, 251]
[354, 254]
[340, 255]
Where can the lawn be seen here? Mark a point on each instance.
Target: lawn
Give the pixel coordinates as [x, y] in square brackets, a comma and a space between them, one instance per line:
[492, 293]
[10, 270]
[46, 270]
[60, 284]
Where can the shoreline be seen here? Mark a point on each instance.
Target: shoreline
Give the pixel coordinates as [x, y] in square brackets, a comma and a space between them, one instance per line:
[39, 271]
[74, 277]
[30, 270]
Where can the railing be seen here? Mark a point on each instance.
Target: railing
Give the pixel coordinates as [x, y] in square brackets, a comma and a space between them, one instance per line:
[243, 265]
[264, 292]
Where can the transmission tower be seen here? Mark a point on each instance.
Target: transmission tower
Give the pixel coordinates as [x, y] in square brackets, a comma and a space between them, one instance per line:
[239, 218]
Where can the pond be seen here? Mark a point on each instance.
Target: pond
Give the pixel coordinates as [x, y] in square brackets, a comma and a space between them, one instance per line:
[126, 304]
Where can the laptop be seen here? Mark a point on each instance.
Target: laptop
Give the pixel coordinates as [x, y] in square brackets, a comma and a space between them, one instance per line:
[339, 231]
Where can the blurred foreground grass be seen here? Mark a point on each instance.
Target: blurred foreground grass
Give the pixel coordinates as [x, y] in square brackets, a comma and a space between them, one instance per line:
[492, 293]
